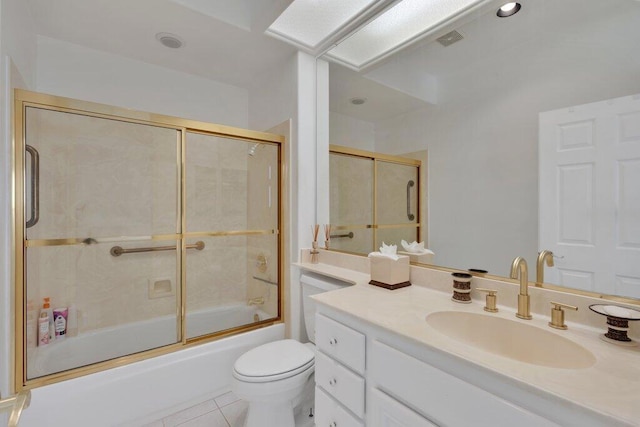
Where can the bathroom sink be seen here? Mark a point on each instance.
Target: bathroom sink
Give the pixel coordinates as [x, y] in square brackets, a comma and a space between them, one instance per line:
[512, 339]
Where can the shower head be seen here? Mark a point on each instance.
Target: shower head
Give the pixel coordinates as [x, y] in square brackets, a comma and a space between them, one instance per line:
[253, 149]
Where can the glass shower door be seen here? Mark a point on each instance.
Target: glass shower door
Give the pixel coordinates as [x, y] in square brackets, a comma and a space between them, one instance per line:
[232, 204]
[397, 210]
[351, 202]
[101, 195]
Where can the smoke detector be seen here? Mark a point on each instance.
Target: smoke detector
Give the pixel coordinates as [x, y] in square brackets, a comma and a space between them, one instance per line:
[358, 101]
[170, 40]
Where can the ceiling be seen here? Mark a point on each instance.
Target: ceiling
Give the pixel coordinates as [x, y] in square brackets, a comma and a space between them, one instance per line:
[224, 39]
[540, 27]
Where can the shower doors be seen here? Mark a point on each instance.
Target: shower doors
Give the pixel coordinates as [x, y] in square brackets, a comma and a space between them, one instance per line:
[374, 198]
[145, 231]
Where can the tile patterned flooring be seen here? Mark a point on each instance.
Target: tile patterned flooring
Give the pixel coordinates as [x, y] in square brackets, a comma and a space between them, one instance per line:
[225, 410]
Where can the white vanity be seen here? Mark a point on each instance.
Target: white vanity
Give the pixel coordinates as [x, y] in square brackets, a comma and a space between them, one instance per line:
[380, 363]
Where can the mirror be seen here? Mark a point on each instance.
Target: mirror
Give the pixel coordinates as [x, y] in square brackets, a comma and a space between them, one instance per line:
[481, 101]
[373, 199]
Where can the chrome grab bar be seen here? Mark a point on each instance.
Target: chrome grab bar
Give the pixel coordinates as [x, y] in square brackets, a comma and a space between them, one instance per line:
[17, 403]
[337, 236]
[35, 186]
[409, 214]
[119, 250]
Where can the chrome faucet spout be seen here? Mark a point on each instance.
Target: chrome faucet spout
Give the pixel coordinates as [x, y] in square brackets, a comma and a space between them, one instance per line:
[519, 265]
[543, 256]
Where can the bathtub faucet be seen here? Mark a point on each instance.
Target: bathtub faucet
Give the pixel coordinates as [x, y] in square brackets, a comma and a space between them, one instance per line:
[256, 301]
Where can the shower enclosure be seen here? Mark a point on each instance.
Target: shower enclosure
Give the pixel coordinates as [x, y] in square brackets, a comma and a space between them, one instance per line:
[374, 198]
[145, 233]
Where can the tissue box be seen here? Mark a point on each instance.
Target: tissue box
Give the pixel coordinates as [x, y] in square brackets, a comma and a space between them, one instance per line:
[425, 258]
[389, 273]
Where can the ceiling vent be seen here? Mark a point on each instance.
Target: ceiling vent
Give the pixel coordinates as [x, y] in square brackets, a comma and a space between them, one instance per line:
[450, 38]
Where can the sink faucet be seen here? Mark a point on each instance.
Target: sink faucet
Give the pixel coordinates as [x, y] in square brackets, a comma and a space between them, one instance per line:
[524, 307]
[543, 256]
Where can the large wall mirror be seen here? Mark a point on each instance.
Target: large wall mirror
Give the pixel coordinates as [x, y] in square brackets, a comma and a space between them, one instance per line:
[531, 125]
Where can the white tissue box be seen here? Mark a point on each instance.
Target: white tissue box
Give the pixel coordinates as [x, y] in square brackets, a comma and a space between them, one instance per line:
[425, 258]
[388, 271]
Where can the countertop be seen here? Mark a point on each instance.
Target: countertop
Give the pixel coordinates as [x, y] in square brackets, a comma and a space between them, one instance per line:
[610, 387]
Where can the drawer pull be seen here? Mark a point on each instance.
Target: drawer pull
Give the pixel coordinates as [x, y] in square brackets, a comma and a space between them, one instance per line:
[333, 341]
[333, 381]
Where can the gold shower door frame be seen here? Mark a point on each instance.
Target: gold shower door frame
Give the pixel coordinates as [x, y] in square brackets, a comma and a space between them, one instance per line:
[377, 158]
[24, 99]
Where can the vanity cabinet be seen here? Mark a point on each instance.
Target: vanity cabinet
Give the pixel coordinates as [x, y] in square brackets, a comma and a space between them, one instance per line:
[367, 376]
[443, 398]
[388, 412]
[339, 369]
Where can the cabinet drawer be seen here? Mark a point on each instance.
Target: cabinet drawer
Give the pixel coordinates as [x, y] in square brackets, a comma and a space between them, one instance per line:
[388, 412]
[340, 342]
[341, 383]
[330, 413]
[441, 397]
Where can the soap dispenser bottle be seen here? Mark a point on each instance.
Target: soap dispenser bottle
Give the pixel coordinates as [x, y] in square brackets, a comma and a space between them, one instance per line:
[46, 307]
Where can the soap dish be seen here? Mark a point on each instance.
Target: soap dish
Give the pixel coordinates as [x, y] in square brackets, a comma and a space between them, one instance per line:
[618, 323]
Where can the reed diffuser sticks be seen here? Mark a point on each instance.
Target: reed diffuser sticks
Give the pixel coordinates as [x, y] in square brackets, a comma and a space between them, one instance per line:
[327, 235]
[315, 229]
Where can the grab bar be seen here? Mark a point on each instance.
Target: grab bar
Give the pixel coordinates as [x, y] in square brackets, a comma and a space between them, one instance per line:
[409, 214]
[17, 403]
[337, 236]
[265, 280]
[119, 250]
[35, 186]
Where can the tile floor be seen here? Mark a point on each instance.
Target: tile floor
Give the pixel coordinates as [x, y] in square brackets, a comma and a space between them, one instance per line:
[223, 411]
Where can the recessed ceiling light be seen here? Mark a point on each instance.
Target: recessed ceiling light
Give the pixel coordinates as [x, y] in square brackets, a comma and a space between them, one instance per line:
[508, 9]
[170, 40]
[358, 101]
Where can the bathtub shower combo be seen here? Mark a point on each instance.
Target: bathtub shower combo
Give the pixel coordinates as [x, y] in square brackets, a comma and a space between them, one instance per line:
[137, 235]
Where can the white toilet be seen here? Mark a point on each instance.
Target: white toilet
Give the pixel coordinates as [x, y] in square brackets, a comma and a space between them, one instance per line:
[276, 377]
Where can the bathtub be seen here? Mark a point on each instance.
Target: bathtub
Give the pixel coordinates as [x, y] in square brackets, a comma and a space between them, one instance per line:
[110, 343]
[147, 389]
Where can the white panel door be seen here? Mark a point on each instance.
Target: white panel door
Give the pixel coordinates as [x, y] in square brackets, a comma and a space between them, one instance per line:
[589, 190]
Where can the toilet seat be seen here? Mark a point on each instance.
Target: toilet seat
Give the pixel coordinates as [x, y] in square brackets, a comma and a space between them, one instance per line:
[274, 361]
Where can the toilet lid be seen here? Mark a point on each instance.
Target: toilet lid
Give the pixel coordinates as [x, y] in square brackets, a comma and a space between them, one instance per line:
[273, 361]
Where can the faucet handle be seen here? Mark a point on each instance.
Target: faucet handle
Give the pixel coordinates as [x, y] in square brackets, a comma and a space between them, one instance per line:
[557, 314]
[491, 299]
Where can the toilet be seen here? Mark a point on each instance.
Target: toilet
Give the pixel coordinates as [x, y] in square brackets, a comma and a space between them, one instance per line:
[275, 378]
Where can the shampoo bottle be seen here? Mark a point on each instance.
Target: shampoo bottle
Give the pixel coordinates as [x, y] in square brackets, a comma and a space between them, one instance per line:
[43, 328]
[47, 307]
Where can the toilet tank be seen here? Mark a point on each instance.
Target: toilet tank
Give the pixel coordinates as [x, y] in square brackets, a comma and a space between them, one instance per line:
[314, 284]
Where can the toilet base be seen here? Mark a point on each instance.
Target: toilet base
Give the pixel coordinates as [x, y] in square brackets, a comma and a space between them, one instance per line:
[292, 412]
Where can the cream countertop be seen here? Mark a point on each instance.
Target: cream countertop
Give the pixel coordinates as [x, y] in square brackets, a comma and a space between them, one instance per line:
[611, 386]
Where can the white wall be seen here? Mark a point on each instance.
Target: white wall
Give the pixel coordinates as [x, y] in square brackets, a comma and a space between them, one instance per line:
[482, 139]
[351, 132]
[74, 71]
[17, 69]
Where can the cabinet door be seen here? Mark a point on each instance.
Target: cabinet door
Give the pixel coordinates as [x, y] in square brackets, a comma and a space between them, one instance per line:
[442, 397]
[330, 413]
[388, 412]
[341, 383]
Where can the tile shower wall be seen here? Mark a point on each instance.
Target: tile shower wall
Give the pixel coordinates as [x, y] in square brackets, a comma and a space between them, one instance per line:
[101, 178]
[351, 201]
[216, 201]
[263, 194]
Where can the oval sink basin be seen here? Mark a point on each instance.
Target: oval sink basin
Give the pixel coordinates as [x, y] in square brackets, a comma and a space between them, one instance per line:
[512, 339]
